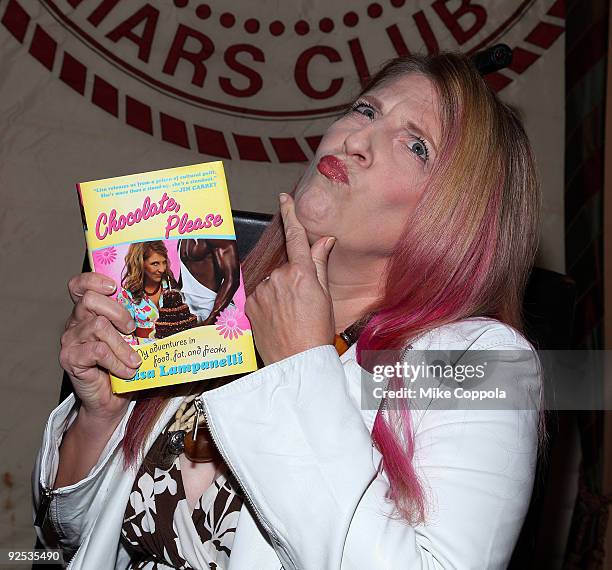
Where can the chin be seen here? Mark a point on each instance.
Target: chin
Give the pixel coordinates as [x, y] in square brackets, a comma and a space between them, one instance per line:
[315, 208]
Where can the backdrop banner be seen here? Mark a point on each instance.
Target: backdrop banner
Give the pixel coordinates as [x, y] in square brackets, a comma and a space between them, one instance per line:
[257, 87]
[91, 89]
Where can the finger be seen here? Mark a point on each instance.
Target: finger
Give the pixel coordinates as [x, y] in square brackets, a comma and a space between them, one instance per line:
[320, 255]
[91, 376]
[79, 360]
[101, 329]
[298, 248]
[79, 284]
[94, 304]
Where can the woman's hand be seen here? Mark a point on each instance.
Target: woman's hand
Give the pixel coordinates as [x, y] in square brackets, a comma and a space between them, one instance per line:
[291, 311]
[92, 345]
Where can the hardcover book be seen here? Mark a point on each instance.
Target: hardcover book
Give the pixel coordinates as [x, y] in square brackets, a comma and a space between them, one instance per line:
[167, 239]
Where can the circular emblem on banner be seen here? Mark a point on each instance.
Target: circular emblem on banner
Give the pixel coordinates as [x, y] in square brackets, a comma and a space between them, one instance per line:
[268, 75]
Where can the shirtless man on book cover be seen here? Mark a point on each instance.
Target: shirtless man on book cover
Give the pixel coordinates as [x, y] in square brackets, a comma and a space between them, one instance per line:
[210, 275]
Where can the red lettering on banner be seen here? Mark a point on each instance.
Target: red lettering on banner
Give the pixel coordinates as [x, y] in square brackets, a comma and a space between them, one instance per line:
[360, 61]
[255, 80]
[399, 45]
[301, 72]
[451, 20]
[125, 31]
[147, 14]
[100, 13]
[178, 52]
[426, 32]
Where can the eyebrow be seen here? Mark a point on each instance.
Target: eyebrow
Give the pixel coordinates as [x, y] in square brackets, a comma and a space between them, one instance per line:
[408, 124]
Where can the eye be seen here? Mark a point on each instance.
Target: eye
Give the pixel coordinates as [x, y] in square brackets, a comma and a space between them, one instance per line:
[419, 148]
[364, 108]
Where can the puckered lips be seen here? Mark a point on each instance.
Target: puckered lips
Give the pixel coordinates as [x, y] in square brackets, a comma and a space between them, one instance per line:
[333, 168]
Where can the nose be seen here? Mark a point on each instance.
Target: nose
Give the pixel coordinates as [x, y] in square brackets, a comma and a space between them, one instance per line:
[358, 146]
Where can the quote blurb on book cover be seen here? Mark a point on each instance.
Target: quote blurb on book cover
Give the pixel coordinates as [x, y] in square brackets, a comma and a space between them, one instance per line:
[167, 239]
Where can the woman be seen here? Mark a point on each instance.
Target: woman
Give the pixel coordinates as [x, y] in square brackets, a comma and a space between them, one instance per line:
[146, 274]
[413, 228]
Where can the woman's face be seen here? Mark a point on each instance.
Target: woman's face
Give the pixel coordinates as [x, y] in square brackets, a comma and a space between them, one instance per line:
[371, 167]
[154, 268]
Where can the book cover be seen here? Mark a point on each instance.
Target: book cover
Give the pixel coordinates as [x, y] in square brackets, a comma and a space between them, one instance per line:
[167, 239]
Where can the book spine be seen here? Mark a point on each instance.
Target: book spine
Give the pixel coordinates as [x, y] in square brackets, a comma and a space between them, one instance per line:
[85, 227]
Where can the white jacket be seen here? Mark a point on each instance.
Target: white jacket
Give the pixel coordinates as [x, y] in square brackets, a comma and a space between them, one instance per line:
[297, 441]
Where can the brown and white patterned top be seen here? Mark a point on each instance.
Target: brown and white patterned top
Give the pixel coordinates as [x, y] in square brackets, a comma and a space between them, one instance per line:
[160, 531]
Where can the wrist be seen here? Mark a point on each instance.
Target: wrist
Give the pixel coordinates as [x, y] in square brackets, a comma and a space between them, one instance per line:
[278, 355]
[101, 418]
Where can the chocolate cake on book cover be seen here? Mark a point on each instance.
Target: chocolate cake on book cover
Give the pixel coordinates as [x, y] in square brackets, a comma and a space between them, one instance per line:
[174, 316]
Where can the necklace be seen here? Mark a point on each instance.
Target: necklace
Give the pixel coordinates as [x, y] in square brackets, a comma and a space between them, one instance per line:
[350, 335]
[153, 292]
[189, 433]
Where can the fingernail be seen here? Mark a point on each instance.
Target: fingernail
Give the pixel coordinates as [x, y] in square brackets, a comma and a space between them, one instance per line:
[330, 242]
[282, 197]
[132, 327]
[135, 358]
[109, 286]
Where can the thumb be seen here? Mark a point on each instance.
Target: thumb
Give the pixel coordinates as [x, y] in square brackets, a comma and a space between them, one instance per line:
[320, 254]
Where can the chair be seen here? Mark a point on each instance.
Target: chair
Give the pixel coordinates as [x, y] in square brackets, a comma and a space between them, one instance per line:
[249, 226]
[548, 309]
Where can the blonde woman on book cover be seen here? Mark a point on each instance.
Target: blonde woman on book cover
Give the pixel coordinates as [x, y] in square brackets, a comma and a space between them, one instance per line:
[146, 274]
[414, 227]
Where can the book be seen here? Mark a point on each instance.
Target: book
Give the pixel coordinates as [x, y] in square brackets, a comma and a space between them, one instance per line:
[167, 239]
